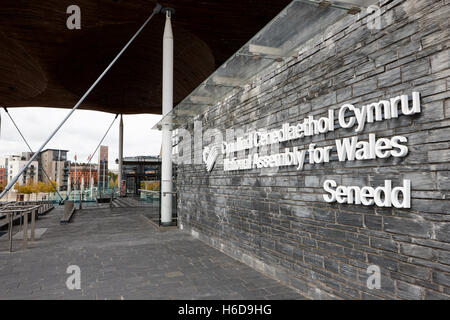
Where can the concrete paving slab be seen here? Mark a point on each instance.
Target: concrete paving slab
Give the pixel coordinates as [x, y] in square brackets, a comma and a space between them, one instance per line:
[38, 233]
[121, 255]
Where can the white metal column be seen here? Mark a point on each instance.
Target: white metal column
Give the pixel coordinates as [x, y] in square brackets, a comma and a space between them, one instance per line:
[119, 178]
[167, 105]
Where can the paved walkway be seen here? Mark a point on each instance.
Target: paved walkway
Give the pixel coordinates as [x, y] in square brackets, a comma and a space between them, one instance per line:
[123, 256]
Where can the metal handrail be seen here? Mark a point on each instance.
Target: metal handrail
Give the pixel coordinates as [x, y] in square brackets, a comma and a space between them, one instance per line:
[23, 204]
[21, 211]
[148, 191]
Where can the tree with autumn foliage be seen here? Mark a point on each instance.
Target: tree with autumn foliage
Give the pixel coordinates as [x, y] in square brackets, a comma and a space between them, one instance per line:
[36, 188]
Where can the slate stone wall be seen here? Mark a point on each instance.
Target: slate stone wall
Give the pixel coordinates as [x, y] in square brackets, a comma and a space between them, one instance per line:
[278, 222]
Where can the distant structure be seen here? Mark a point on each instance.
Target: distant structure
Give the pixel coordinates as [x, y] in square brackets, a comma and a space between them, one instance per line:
[138, 169]
[55, 164]
[102, 172]
[83, 170]
[2, 177]
[14, 163]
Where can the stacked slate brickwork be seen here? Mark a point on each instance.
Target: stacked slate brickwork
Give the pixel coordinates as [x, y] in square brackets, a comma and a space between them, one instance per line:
[278, 223]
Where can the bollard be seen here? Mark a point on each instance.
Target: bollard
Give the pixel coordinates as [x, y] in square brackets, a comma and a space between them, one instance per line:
[25, 229]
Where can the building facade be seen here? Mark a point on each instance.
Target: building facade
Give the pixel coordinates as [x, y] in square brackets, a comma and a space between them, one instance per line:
[83, 172]
[14, 163]
[102, 167]
[353, 176]
[138, 169]
[3, 180]
[56, 165]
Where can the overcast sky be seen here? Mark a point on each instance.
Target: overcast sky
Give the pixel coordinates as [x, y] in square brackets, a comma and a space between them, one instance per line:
[80, 134]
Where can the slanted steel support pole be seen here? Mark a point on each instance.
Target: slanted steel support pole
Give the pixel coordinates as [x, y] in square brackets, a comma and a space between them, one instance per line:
[156, 10]
[167, 105]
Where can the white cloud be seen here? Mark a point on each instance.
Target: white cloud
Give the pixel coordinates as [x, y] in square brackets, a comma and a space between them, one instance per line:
[80, 134]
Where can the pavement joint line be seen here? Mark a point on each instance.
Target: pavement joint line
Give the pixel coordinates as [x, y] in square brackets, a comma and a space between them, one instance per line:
[119, 256]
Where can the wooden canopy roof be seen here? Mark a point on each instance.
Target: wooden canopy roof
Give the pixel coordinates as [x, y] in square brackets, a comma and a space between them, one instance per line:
[43, 63]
